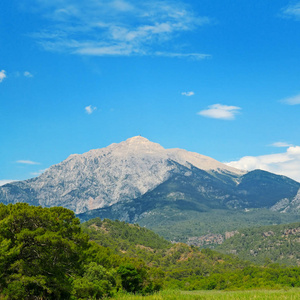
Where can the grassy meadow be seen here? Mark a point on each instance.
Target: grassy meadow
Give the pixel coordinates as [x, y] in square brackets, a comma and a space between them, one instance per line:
[290, 294]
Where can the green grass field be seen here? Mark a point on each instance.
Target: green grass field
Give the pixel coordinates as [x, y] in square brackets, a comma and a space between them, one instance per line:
[291, 294]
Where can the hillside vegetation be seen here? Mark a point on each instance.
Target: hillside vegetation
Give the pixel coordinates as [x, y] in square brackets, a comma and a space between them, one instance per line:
[186, 267]
[121, 236]
[177, 221]
[45, 253]
[193, 224]
[276, 244]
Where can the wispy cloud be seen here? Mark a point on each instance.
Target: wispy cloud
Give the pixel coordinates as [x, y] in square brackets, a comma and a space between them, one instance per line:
[15, 74]
[286, 163]
[2, 75]
[292, 11]
[27, 74]
[194, 56]
[117, 27]
[281, 145]
[27, 162]
[90, 109]
[5, 181]
[188, 94]
[292, 100]
[220, 111]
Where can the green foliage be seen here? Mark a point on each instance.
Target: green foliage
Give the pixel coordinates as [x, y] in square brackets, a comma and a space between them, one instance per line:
[46, 254]
[266, 244]
[139, 278]
[131, 279]
[184, 267]
[95, 283]
[41, 249]
[194, 224]
[124, 235]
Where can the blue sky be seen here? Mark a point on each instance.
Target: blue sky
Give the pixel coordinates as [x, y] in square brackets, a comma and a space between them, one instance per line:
[221, 78]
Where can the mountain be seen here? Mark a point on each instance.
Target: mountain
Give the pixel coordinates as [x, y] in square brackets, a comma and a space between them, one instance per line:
[195, 190]
[140, 181]
[191, 208]
[106, 176]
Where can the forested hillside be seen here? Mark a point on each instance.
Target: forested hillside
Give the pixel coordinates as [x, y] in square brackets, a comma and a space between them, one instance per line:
[187, 267]
[194, 225]
[179, 222]
[276, 244]
[119, 235]
[45, 253]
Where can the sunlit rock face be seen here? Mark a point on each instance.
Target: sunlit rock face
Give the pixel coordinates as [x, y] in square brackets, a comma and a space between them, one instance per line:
[288, 205]
[103, 177]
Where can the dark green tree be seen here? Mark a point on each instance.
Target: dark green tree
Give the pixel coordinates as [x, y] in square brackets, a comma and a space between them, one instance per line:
[131, 279]
[95, 283]
[41, 251]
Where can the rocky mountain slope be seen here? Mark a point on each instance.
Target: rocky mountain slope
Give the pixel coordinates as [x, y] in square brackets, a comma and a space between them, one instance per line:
[135, 177]
[288, 204]
[106, 176]
[194, 190]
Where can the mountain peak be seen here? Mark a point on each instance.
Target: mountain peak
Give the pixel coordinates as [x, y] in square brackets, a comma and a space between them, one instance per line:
[102, 177]
[138, 145]
[137, 138]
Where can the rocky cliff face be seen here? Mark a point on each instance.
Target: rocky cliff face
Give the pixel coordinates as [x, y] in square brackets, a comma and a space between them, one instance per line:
[287, 205]
[103, 177]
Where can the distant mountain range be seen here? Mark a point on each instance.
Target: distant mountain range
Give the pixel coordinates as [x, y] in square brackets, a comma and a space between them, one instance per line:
[138, 179]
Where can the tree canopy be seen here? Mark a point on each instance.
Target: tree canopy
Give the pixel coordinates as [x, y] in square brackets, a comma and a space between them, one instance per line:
[41, 251]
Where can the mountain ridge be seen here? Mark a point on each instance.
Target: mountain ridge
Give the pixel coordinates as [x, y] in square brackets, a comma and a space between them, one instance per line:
[102, 177]
[137, 168]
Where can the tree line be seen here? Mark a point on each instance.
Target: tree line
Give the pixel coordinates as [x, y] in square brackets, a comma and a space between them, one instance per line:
[45, 253]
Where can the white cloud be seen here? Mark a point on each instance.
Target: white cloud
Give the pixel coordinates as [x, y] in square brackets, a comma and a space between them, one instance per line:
[27, 162]
[5, 181]
[220, 111]
[292, 11]
[103, 50]
[281, 145]
[116, 27]
[188, 94]
[2, 75]
[90, 109]
[27, 74]
[287, 163]
[194, 56]
[292, 100]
